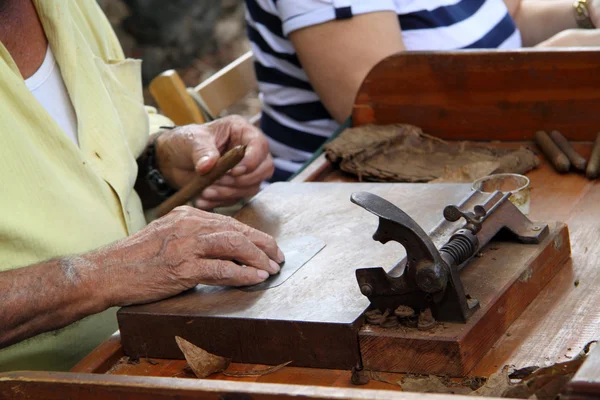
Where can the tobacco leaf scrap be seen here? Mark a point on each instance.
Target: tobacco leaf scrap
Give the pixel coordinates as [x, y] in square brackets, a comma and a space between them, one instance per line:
[257, 372]
[201, 361]
[404, 153]
[430, 384]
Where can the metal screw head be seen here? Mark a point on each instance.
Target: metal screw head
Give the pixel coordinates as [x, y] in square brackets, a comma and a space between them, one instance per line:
[366, 289]
[537, 228]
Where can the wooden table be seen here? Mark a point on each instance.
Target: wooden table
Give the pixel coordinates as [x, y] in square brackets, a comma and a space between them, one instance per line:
[554, 328]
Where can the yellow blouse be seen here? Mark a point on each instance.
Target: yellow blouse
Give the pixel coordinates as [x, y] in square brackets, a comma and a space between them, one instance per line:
[56, 198]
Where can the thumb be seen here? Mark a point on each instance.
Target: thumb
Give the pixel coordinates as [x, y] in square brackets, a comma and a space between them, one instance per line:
[204, 157]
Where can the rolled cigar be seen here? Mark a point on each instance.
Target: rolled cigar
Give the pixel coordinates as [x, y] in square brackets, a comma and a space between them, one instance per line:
[556, 157]
[576, 159]
[198, 184]
[593, 167]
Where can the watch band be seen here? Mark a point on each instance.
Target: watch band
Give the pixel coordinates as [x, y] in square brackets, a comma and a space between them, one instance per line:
[582, 15]
[153, 176]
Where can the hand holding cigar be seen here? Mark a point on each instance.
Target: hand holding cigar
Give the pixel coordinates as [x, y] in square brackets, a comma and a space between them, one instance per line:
[229, 160]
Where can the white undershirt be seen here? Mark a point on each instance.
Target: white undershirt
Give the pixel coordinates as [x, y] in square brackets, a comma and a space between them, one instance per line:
[49, 89]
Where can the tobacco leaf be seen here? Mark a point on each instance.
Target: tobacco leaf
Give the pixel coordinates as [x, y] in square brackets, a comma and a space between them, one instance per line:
[430, 384]
[257, 372]
[496, 384]
[201, 361]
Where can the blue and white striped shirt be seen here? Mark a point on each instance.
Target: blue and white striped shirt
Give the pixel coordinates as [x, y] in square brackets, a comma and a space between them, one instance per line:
[294, 119]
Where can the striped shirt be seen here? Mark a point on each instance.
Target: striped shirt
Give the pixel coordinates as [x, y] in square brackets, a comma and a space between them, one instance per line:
[294, 119]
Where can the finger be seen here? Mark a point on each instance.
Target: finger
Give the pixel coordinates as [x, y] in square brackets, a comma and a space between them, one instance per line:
[205, 153]
[227, 273]
[257, 151]
[260, 174]
[235, 245]
[242, 132]
[264, 241]
[211, 205]
[228, 193]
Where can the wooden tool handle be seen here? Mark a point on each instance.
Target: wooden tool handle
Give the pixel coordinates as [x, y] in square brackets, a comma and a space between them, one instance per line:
[558, 159]
[576, 159]
[199, 183]
[593, 167]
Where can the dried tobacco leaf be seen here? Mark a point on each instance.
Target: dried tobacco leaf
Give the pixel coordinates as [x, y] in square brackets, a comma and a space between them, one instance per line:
[496, 384]
[430, 384]
[258, 372]
[201, 361]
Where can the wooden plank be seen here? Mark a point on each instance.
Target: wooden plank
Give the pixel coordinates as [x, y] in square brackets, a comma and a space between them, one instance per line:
[103, 357]
[229, 85]
[586, 382]
[316, 314]
[485, 95]
[505, 280]
[172, 97]
[69, 386]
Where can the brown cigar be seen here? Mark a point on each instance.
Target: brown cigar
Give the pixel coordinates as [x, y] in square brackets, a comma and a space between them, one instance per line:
[199, 183]
[558, 159]
[576, 159]
[593, 167]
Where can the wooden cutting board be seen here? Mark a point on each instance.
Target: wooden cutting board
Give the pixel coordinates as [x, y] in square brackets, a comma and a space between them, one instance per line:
[313, 318]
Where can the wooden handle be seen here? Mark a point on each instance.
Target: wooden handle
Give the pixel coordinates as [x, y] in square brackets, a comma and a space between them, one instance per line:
[199, 183]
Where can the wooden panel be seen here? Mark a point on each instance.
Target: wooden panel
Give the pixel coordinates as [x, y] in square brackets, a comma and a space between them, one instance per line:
[229, 85]
[486, 95]
[315, 314]
[505, 280]
[586, 382]
[69, 386]
[173, 99]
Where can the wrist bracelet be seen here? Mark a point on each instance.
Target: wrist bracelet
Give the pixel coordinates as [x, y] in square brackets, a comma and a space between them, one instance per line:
[582, 15]
[153, 176]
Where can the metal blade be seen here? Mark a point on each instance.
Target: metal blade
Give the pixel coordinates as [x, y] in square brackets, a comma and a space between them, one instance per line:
[298, 251]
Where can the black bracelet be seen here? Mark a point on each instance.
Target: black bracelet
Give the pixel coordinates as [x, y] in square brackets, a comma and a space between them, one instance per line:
[153, 176]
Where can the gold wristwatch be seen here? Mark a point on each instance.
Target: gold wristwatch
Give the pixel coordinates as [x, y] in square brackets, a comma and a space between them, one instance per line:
[582, 15]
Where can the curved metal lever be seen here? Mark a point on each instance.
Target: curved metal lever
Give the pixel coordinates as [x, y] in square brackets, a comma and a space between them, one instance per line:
[424, 263]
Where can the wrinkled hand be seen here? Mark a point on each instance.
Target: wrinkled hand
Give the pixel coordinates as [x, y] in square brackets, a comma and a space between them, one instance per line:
[194, 149]
[185, 248]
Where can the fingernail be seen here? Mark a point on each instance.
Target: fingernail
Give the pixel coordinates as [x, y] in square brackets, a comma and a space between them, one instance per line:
[280, 256]
[275, 266]
[240, 169]
[262, 274]
[203, 160]
[209, 193]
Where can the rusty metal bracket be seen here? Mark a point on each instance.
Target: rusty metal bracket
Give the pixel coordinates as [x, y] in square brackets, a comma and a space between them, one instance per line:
[431, 276]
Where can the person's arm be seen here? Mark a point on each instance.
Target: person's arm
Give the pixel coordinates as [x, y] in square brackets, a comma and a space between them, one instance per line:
[174, 253]
[539, 20]
[338, 55]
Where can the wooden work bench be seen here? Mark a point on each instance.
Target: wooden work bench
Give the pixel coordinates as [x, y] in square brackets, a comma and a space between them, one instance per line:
[435, 92]
[554, 328]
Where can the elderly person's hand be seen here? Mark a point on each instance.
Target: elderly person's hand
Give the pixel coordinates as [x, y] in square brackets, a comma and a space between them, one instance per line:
[194, 149]
[174, 253]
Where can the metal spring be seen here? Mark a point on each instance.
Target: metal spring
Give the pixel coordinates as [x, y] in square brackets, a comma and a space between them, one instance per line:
[460, 248]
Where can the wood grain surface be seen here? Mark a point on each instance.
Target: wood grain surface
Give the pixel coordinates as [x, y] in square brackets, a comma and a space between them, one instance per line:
[505, 279]
[554, 328]
[315, 315]
[486, 95]
[69, 386]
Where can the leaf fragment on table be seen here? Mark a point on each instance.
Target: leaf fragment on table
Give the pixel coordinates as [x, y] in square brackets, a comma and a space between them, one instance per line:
[257, 372]
[201, 361]
[496, 384]
[429, 384]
